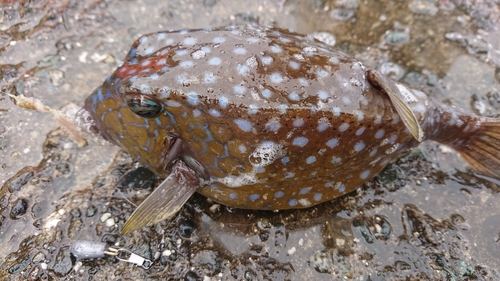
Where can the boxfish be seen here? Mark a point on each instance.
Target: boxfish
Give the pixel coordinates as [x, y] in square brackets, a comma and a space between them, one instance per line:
[265, 118]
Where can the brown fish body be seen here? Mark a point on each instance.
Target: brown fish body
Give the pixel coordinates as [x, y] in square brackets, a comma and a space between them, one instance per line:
[268, 119]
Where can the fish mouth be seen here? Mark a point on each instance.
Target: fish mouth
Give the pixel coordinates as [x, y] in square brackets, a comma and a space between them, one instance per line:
[85, 120]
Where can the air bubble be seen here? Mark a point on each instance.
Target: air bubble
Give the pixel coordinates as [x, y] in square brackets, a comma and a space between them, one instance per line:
[198, 54]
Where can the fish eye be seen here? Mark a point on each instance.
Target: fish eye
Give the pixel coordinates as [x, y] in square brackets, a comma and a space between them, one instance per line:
[144, 106]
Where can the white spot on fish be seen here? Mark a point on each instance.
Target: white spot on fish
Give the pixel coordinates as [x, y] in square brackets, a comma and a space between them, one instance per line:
[252, 109]
[364, 175]
[317, 196]
[214, 113]
[310, 159]
[253, 197]
[260, 170]
[242, 148]
[283, 108]
[346, 100]
[359, 146]
[322, 94]
[149, 51]
[223, 102]
[360, 131]
[244, 125]
[294, 65]
[172, 103]
[276, 78]
[209, 78]
[336, 111]
[253, 40]
[334, 60]
[336, 160]
[305, 190]
[379, 134]
[214, 61]
[285, 159]
[181, 52]
[300, 141]
[190, 41]
[332, 142]
[343, 127]
[192, 98]
[273, 124]
[160, 36]
[323, 124]
[266, 93]
[359, 115]
[219, 40]
[239, 90]
[298, 122]
[322, 73]
[240, 51]
[267, 60]
[279, 194]
[294, 96]
[187, 64]
[276, 49]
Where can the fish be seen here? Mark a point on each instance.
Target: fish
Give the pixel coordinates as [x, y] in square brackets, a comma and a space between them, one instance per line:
[265, 118]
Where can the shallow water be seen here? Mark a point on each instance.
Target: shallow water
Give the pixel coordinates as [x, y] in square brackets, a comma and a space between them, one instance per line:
[427, 217]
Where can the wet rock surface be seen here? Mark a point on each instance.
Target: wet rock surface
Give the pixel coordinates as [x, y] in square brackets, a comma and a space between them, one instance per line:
[425, 217]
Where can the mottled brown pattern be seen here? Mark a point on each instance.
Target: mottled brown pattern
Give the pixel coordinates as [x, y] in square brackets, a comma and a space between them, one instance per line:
[276, 119]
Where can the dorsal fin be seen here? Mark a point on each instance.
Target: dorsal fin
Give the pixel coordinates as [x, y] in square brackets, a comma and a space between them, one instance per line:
[379, 81]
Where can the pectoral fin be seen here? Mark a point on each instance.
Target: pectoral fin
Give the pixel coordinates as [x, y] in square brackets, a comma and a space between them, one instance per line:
[378, 80]
[166, 200]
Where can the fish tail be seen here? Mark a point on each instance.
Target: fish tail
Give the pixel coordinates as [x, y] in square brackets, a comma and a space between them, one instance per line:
[475, 138]
[482, 149]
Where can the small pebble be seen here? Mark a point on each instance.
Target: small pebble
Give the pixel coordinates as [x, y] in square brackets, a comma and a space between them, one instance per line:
[19, 208]
[423, 7]
[110, 222]
[186, 228]
[56, 77]
[105, 217]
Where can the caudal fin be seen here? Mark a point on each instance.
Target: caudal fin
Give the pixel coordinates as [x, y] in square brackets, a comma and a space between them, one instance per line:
[482, 148]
